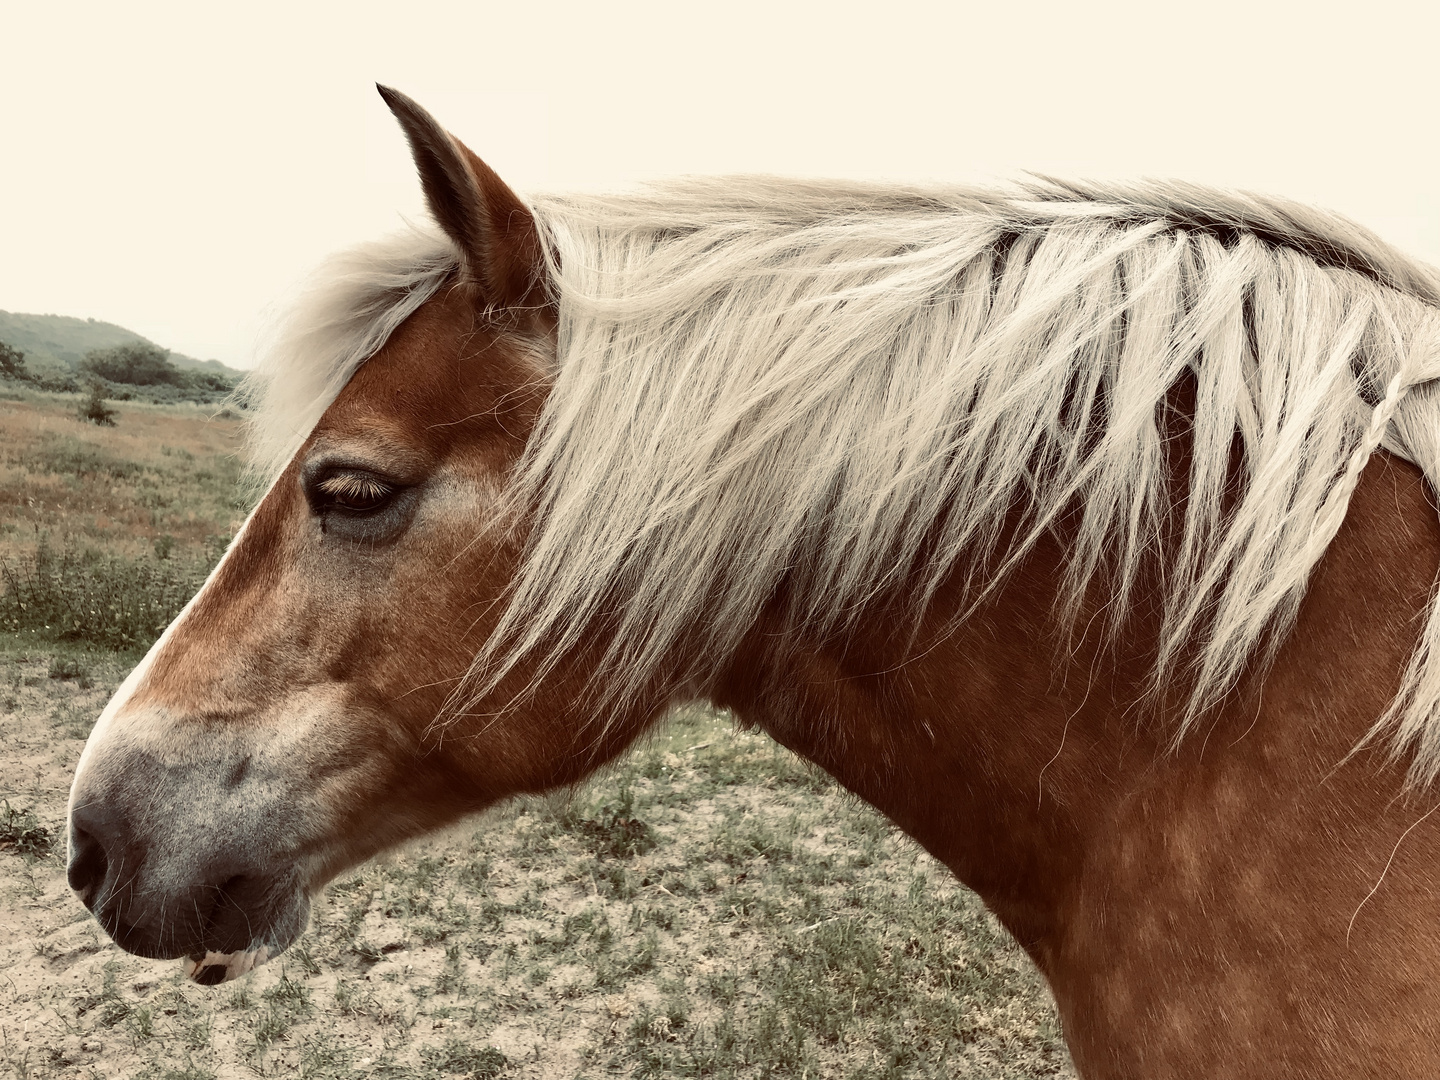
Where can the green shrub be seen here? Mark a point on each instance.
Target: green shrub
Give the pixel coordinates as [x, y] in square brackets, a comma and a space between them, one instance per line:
[109, 600]
[138, 365]
[145, 372]
[94, 408]
[12, 364]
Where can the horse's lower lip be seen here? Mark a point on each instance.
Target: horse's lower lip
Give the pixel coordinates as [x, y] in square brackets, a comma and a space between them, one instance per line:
[240, 903]
[250, 921]
[139, 939]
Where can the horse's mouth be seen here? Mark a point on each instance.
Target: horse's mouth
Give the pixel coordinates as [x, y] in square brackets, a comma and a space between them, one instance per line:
[250, 921]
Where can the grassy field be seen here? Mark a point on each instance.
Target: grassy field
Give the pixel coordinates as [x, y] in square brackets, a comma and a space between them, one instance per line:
[711, 907]
[164, 471]
[105, 532]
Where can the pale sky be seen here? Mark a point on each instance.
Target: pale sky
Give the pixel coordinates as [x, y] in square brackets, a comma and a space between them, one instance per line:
[177, 168]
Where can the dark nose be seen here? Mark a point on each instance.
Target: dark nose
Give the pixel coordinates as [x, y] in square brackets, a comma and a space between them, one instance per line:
[88, 862]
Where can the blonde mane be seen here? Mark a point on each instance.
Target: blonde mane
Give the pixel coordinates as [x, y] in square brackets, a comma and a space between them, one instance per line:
[850, 389]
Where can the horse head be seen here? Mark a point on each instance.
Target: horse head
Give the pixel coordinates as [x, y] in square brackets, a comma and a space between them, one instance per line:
[284, 727]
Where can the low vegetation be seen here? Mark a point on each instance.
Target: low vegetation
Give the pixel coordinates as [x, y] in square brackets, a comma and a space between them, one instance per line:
[85, 595]
[22, 833]
[124, 373]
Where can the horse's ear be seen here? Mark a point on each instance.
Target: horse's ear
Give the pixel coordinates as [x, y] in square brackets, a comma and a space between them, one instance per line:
[493, 229]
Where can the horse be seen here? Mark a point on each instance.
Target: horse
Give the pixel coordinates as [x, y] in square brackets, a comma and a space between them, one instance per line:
[1086, 530]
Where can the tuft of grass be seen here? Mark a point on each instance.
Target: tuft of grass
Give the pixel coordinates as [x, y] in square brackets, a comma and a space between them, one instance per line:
[141, 1022]
[289, 996]
[457, 1056]
[108, 1006]
[271, 1026]
[451, 979]
[287, 1003]
[613, 831]
[743, 838]
[199, 1031]
[67, 667]
[22, 834]
[324, 1055]
[303, 955]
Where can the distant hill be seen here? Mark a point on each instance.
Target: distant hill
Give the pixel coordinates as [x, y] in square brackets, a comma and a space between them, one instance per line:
[55, 344]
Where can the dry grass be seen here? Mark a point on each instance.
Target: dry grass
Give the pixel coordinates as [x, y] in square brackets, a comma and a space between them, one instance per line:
[106, 532]
[162, 471]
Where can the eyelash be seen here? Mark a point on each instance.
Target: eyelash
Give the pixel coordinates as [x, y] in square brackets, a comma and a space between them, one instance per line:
[353, 492]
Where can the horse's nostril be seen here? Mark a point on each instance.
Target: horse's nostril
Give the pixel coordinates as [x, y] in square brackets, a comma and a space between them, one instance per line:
[87, 865]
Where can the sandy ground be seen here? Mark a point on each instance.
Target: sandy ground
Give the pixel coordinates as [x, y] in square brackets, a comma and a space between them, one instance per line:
[51, 951]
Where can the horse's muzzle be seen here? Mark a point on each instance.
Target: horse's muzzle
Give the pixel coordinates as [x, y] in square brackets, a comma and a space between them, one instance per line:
[164, 905]
[186, 859]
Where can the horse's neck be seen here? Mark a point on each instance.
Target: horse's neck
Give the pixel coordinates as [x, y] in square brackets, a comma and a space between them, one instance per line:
[987, 742]
[1037, 777]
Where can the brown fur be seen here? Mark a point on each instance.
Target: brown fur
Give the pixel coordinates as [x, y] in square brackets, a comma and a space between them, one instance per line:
[1191, 908]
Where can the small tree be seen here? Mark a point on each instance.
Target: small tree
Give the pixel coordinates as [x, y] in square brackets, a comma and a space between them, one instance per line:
[12, 363]
[94, 408]
[137, 365]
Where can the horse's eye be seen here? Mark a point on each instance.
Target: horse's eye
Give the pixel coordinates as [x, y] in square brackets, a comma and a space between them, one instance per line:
[357, 493]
